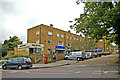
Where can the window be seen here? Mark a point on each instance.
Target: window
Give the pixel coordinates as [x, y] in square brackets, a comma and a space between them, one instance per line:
[70, 38]
[37, 32]
[67, 37]
[100, 40]
[80, 40]
[58, 35]
[49, 49]
[69, 44]
[60, 43]
[49, 41]
[100, 45]
[49, 33]
[74, 38]
[37, 41]
[62, 36]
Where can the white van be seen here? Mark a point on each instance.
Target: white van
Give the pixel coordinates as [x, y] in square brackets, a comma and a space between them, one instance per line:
[78, 55]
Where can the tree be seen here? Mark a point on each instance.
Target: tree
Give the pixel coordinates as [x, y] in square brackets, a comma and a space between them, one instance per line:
[100, 19]
[9, 45]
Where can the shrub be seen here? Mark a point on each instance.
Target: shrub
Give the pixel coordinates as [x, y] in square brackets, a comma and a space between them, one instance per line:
[7, 57]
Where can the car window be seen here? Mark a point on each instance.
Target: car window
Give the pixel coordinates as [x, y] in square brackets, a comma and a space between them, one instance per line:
[10, 60]
[28, 60]
[15, 60]
[20, 59]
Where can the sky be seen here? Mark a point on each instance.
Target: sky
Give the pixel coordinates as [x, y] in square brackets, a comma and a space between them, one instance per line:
[16, 16]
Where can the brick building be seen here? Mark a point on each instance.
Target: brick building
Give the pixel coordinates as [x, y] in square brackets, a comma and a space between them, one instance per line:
[53, 39]
[57, 40]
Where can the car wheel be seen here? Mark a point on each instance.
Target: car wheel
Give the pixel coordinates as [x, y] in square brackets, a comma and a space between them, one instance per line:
[4, 67]
[66, 58]
[82, 59]
[78, 59]
[20, 68]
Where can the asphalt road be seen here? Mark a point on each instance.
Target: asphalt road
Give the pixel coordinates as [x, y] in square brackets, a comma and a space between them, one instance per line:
[91, 68]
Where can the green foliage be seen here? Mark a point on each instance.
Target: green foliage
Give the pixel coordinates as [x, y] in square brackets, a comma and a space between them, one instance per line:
[7, 57]
[100, 19]
[9, 45]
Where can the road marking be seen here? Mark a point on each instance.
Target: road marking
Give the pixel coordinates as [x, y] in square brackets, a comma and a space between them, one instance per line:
[106, 71]
[96, 73]
[78, 72]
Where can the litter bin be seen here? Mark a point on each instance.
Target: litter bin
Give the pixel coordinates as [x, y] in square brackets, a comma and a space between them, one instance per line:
[45, 59]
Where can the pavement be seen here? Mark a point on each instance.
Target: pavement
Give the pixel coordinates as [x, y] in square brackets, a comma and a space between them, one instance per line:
[54, 64]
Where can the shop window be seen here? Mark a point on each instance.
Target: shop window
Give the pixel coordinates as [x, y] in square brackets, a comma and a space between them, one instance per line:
[60, 43]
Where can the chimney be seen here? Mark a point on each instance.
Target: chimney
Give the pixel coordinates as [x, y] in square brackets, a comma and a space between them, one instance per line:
[51, 25]
[69, 31]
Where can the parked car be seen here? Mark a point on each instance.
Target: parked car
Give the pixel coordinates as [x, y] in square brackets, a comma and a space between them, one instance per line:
[99, 54]
[78, 55]
[105, 53]
[88, 55]
[18, 63]
[95, 54]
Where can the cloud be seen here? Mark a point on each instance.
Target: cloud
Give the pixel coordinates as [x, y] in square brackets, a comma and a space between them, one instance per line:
[19, 15]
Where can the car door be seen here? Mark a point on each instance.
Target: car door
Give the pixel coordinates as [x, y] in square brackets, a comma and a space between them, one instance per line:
[15, 63]
[9, 63]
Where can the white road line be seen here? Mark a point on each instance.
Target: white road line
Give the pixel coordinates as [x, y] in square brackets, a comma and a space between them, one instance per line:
[105, 71]
[96, 73]
[78, 72]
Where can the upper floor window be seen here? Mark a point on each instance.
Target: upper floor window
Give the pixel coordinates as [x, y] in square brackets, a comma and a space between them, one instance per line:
[67, 37]
[58, 35]
[100, 40]
[62, 36]
[60, 43]
[70, 38]
[49, 33]
[80, 40]
[37, 41]
[37, 32]
[100, 45]
[74, 38]
[49, 41]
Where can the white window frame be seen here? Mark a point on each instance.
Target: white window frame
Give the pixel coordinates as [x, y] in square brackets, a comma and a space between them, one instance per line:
[37, 41]
[58, 35]
[62, 36]
[74, 38]
[60, 44]
[70, 38]
[67, 37]
[100, 45]
[49, 33]
[37, 32]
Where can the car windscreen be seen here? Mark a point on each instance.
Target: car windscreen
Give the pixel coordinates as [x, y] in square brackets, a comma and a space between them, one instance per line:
[28, 60]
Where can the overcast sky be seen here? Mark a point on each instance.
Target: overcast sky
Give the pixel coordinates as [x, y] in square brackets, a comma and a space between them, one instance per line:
[20, 15]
